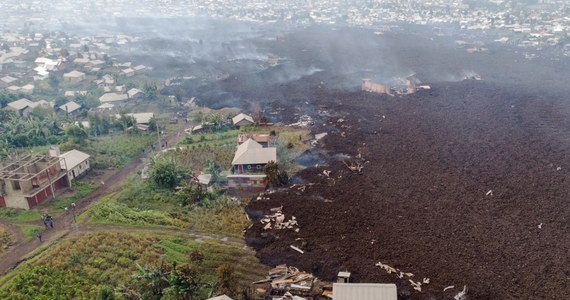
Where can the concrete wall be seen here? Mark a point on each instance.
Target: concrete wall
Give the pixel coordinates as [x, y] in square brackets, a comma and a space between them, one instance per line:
[79, 170]
[370, 86]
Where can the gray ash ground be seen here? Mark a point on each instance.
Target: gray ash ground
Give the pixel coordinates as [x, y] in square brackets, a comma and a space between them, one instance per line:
[422, 203]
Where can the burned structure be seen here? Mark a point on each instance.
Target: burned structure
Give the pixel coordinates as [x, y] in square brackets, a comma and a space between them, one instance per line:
[397, 86]
[28, 180]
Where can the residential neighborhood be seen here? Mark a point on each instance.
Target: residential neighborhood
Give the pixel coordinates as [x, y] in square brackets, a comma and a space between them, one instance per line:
[284, 150]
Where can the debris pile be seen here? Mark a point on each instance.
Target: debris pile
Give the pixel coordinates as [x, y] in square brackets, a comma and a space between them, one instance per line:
[300, 187]
[287, 283]
[277, 220]
[417, 285]
[304, 121]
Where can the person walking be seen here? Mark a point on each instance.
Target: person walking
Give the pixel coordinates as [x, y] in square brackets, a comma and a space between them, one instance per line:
[39, 236]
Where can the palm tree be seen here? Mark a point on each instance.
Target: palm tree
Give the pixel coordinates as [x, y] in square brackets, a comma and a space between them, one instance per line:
[213, 169]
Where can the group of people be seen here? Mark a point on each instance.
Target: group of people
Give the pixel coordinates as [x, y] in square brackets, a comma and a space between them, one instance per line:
[49, 221]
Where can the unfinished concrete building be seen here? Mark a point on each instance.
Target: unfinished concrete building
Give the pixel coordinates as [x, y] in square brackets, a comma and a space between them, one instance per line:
[26, 181]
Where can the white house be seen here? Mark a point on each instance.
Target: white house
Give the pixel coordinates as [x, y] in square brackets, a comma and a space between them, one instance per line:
[75, 162]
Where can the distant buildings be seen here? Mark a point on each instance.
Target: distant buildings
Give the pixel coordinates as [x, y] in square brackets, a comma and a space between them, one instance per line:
[73, 77]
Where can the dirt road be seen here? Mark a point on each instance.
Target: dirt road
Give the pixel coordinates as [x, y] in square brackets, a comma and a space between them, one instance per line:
[64, 223]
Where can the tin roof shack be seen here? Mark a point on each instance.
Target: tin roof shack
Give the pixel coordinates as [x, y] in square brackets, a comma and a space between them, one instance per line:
[28, 180]
[365, 291]
[242, 120]
[21, 107]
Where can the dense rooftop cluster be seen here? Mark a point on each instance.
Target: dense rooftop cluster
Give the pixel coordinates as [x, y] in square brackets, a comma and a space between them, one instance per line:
[539, 22]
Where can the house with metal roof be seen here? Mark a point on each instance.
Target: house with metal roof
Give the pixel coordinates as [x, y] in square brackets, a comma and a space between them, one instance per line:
[73, 77]
[113, 98]
[365, 291]
[248, 166]
[21, 106]
[75, 162]
[70, 107]
[242, 120]
[222, 297]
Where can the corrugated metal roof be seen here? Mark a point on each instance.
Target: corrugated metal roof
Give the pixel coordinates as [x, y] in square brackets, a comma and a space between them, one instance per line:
[222, 297]
[252, 152]
[20, 104]
[365, 291]
[242, 116]
[73, 158]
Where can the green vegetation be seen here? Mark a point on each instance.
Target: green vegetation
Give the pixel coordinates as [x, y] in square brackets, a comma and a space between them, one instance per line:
[275, 176]
[165, 173]
[117, 150]
[29, 231]
[121, 265]
[291, 144]
[195, 157]
[143, 204]
[6, 238]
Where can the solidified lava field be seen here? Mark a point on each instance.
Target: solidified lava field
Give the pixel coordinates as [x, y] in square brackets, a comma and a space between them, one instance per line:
[422, 203]
[464, 184]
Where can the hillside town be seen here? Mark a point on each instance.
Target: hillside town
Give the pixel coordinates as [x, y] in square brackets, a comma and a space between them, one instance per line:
[283, 150]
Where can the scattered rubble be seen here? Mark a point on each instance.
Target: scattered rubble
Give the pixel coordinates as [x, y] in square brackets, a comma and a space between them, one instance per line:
[461, 295]
[297, 249]
[300, 187]
[417, 285]
[355, 167]
[304, 121]
[288, 283]
[277, 220]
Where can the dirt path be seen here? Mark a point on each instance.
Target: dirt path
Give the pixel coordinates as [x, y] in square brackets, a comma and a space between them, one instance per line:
[64, 223]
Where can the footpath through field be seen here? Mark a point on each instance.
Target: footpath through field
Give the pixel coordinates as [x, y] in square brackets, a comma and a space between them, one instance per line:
[64, 223]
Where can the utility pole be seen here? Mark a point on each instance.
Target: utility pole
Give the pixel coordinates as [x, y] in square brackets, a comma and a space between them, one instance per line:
[159, 142]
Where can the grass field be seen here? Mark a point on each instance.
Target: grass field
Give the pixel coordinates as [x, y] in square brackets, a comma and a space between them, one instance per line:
[118, 149]
[6, 238]
[81, 267]
[140, 205]
[29, 231]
